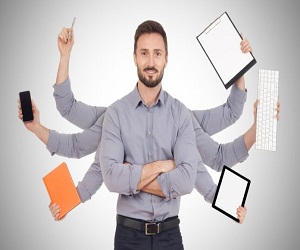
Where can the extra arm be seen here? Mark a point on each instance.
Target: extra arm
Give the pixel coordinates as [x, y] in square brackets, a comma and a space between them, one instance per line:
[91, 181]
[78, 113]
[76, 145]
[81, 115]
[216, 155]
[216, 119]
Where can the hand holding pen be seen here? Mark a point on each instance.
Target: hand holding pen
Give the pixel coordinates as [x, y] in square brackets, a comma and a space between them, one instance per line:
[65, 40]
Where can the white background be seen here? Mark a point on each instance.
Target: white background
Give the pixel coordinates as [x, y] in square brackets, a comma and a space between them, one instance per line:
[102, 70]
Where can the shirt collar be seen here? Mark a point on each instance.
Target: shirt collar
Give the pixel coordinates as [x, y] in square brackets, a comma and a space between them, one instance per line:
[136, 99]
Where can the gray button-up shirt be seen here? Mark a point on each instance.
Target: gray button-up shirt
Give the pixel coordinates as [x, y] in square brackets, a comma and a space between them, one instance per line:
[91, 118]
[138, 134]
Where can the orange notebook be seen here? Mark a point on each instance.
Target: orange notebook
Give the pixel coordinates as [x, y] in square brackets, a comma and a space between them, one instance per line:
[61, 189]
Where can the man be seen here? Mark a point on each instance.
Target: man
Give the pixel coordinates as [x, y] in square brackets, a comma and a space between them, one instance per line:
[62, 69]
[139, 131]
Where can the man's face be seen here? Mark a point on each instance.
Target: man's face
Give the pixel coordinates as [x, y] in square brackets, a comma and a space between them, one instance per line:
[151, 59]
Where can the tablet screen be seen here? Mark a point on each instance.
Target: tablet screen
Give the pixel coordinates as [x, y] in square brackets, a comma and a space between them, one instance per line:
[231, 192]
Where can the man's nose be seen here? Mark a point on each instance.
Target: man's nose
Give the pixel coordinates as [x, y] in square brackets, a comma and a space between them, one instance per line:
[151, 61]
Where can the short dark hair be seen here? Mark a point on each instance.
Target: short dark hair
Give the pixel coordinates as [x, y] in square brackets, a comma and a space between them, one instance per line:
[149, 27]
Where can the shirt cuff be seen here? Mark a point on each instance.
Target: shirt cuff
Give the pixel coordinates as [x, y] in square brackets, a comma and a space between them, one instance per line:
[211, 195]
[53, 142]
[165, 186]
[135, 176]
[240, 149]
[83, 192]
[63, 88]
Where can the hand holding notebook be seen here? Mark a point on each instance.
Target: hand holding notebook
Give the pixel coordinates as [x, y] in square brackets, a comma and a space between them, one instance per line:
[61, 189]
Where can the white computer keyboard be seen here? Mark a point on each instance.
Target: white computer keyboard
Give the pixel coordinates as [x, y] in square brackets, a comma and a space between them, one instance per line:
[266, 124]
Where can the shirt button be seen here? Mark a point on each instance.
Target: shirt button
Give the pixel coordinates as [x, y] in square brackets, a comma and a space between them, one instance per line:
[149, 133]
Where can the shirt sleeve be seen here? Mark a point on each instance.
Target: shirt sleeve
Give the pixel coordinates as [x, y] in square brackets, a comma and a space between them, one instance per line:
[181, 180]
[215, 120]
[76, 145]
[204, 184]
[91, 181]
[217, 155]
[78, 113]
[118, 177]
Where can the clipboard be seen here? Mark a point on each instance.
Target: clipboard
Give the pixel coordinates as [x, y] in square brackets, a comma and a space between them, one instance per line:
[231, 192]
[61, 189]
[221, 44]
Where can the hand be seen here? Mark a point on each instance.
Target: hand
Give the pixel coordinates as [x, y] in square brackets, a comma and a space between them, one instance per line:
[255, 105]
[55, 210]
[36, 117]
[245, 45]
[241, 213]
[167, 165]
[245, 48]
[278, 111]
[65, 41]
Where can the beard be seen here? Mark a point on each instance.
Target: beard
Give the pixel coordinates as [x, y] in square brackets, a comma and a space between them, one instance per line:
[150, 82]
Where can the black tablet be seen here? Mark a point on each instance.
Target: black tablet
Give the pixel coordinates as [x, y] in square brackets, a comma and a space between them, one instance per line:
[231, 192]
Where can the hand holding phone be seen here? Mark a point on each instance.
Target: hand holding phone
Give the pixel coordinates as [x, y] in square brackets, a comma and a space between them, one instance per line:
[26, 106]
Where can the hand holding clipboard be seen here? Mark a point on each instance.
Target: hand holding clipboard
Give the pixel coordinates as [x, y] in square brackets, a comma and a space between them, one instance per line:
[221, 43]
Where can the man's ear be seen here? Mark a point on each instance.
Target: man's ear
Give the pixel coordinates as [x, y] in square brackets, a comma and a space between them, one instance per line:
[166, 61]
[134, 59]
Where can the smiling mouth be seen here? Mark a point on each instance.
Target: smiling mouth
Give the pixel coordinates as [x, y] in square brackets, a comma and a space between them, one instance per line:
[150, 71]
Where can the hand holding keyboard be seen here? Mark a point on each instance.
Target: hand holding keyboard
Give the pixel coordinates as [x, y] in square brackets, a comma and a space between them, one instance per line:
[266, 123]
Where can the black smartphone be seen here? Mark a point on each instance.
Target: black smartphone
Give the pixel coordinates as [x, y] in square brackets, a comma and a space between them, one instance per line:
[26, 106]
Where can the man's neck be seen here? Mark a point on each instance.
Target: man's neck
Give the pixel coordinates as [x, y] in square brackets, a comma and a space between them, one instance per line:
[149, 95]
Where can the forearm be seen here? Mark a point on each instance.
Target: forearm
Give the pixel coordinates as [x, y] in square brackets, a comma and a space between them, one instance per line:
[216, 119]
[63, 69]
[71, 145]
[250, 137]
[204, 184]
[41, 132]
[75, 145]
[240, 83]
[150, 172]
[153, 188]
[91, 182]
[216, 155]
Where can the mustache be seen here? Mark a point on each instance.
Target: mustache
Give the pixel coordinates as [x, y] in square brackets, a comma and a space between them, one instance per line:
[151, 68]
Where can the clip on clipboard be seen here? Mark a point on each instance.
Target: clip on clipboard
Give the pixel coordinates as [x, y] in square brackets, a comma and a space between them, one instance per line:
[231, 192]
[221, 44]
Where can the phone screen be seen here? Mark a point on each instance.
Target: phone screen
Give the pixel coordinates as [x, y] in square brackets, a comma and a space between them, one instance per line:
[25, 101]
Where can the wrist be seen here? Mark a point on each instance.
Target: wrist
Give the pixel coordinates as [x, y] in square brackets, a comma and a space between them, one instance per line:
[64, 62]
[240, 83]
[42, 133]
[63, 69]
[36, 128]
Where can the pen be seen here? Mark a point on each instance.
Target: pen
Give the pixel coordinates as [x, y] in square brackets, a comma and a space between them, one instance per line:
[73, 23]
